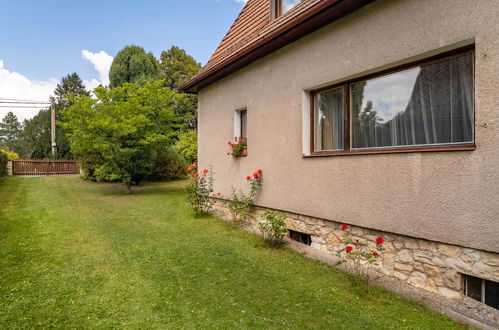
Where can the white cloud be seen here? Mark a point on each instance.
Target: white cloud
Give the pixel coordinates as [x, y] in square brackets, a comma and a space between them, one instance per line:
[16, 86]
[102, 63]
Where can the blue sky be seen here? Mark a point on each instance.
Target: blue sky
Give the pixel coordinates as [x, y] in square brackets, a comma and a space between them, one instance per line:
[44, 40]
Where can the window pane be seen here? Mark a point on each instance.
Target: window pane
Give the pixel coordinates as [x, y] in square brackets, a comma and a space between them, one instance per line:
[492, 294]
[429, 104]
[474, 287]
[244, 123]
[329, 120]
[288, 4]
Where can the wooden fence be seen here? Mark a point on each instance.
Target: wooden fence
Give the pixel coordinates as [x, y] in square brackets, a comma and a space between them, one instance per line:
[44, 167]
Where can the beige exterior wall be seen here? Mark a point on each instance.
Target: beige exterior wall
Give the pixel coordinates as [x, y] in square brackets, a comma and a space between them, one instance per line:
[450, 197]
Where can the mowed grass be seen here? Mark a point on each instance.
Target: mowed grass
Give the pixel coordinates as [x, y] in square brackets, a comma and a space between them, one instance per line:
[75, 254]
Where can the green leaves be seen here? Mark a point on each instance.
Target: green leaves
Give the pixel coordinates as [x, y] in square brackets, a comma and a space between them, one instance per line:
[120, 131]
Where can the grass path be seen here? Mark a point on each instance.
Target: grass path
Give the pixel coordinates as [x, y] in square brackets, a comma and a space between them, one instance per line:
[80, 255]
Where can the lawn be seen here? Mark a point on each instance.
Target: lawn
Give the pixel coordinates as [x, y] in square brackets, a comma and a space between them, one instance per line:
[83, 255]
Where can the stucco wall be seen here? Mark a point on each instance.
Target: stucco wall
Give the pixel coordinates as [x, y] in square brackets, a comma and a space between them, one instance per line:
[450, 197]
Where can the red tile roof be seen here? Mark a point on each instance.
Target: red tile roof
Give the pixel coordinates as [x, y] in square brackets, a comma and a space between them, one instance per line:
[254, 27]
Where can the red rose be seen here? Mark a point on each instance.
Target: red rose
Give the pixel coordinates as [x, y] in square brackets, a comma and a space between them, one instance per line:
[205, 171]
[375, 254]
[230, 143]
[344, 227]
[380, 240]
[189, 168]
[240, 141]
[193, 165]
[349, 249]
[259, 171]
[248, 177]
[255, 175]
[219, 194]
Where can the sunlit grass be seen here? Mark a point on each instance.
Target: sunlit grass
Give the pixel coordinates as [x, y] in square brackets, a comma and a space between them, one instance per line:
[83, 255]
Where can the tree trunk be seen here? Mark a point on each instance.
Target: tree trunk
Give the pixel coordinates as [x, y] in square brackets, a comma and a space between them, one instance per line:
[128, 188]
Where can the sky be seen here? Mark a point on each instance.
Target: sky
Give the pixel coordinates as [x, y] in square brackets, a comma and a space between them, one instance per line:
[42, 41]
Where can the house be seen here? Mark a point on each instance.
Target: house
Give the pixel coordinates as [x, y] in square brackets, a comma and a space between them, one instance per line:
[382, 115]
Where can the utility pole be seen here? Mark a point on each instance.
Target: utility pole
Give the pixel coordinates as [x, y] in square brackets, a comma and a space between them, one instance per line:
[52, 129]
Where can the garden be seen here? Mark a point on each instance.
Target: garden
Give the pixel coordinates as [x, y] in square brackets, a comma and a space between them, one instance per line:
[79, 254]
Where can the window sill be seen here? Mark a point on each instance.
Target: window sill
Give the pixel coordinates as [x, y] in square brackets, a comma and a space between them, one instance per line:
[461, 147]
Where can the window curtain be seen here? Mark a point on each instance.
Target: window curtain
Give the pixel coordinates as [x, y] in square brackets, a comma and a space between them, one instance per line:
[329, 120]
[438, 110]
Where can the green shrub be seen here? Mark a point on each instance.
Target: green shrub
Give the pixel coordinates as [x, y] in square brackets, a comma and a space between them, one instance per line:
[3, 163]
[169, 165]
[274, 228]
[187, 145]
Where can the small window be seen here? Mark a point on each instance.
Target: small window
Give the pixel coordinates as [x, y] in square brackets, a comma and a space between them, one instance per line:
[241, 123]
[283, 6]
[427, 105]
[485, 291]
[300, 237]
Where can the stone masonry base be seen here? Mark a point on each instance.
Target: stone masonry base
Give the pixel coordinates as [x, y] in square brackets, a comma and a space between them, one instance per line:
[432, 266]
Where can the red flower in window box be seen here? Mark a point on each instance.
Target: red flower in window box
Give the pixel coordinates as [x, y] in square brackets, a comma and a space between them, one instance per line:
[239, 148]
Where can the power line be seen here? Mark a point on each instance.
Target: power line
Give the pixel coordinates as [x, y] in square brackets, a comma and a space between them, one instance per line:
[18, 102]
[6, 99]
[22, 107]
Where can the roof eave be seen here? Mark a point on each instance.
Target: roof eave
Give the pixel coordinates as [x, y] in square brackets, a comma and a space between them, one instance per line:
[325, 12]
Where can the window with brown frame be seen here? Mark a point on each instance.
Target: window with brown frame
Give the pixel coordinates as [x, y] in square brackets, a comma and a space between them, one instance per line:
[423, 106]
[280, 7]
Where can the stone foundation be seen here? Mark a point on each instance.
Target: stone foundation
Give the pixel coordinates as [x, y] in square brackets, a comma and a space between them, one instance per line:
[435, 267]
[9, 168]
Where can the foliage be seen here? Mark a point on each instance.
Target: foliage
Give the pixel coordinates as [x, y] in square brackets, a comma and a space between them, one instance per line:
[358, 260]
[176, 67]
[68, 88]
[187, 145]
[169, 165]
[10, 130]
[241, 203]
[11, 155]
[274, 228]
[199, 189]
[4, 159]
[36, 136]
[238, 146]
[120, 131]
[133, 65]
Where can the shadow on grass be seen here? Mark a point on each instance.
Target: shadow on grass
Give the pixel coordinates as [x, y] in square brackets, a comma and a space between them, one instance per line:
[144, 189]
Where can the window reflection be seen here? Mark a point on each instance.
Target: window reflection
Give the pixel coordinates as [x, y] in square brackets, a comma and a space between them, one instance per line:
[429, 104]
[288, 4]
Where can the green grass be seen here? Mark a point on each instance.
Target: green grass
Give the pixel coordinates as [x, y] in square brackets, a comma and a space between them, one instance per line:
[82, 255]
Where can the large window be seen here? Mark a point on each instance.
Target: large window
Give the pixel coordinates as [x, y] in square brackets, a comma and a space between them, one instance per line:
[419, 107]
[282, 6]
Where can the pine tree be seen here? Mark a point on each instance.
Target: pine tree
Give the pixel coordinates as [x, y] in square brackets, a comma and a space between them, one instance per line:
[10, 129]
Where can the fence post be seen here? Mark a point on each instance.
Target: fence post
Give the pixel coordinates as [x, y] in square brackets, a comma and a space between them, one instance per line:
[9, 168]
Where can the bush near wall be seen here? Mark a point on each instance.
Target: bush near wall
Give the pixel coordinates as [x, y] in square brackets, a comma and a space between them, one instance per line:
[3, 163]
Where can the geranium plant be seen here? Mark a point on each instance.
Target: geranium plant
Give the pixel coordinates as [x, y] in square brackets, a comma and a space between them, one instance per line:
[241, 203]
[239, 147]
[199, 189]
[359, 259]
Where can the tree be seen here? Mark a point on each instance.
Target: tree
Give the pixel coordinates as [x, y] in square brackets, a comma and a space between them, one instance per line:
[133, 65]
[70, 86]
[119, 132]
[176, 67]
[10, 129]
[36, 135]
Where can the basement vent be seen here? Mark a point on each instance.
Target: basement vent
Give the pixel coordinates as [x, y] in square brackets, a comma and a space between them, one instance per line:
[300, 237]
[485, 291]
